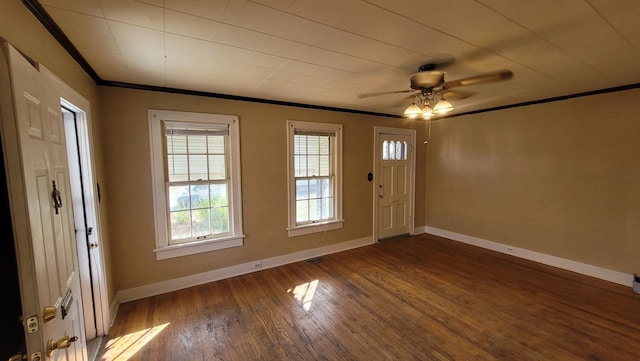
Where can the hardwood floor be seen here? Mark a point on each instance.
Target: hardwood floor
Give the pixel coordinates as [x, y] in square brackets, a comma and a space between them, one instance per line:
[419, 298]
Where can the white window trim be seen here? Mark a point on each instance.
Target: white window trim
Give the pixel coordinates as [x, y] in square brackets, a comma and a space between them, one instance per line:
[163, 250]
[336, 223]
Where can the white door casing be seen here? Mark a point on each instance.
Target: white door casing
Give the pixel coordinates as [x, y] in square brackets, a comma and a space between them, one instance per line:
[394, 182]
[86, 211]
[36, 161]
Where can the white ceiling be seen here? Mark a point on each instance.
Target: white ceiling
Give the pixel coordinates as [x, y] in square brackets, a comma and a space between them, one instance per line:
[326, 52]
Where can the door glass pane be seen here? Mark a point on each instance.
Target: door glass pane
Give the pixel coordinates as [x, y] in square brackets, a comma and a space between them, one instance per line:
[385, 150]
[398, 150]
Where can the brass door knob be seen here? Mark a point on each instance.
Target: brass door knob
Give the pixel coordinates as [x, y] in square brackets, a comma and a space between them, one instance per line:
[64, 342]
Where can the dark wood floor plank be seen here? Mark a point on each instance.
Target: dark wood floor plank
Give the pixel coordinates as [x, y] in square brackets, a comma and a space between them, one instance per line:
[419, 298]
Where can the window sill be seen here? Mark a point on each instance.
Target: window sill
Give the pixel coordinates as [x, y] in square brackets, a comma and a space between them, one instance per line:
[315, 228]
[190, 248]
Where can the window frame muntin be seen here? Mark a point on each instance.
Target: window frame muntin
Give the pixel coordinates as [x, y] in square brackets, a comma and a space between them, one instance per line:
[157, 138]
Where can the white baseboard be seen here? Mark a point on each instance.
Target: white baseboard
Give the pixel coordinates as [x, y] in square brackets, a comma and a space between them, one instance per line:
[136, 293]
[420, 230]
[582, 268]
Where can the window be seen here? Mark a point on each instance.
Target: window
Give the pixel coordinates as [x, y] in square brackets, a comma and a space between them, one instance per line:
[394, 150]
[315, 177]
[196, 182]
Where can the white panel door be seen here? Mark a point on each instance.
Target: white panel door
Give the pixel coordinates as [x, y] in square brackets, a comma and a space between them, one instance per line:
[394, 162]
[42, 152]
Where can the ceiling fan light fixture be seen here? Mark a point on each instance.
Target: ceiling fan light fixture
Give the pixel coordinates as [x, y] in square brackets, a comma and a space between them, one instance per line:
[427, 112]
[413, 111]
[442, 107]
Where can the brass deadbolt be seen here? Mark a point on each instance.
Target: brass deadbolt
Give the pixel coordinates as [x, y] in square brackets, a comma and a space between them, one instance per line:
[49, 313]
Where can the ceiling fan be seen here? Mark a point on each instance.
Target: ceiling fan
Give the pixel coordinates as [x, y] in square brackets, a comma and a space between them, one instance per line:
[430, 88]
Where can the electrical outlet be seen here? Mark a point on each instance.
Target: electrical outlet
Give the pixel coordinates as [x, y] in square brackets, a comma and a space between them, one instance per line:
[257, 264]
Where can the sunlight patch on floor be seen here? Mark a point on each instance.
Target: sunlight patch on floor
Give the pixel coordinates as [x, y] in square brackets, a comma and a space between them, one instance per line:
[303, 293]
[124, 347]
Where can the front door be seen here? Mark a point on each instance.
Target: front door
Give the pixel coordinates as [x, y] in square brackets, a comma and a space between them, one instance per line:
[40, 203]
[394, 177]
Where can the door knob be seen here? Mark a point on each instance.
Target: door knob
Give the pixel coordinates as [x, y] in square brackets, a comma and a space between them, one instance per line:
[64, 342]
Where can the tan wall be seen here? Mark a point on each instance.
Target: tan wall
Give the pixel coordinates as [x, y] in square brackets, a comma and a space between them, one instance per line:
[559, 178]
[264, 181]
[20, 28]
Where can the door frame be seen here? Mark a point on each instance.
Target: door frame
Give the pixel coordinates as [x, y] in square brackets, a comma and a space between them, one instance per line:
[76, 103]
[377, 132]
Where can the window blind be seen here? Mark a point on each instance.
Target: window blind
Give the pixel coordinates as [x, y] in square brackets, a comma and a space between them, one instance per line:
[173, 130]
[318, 133]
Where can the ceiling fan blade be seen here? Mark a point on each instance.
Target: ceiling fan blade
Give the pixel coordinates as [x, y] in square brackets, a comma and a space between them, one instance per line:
[480, 79]
[456, 94]
[368, 95]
